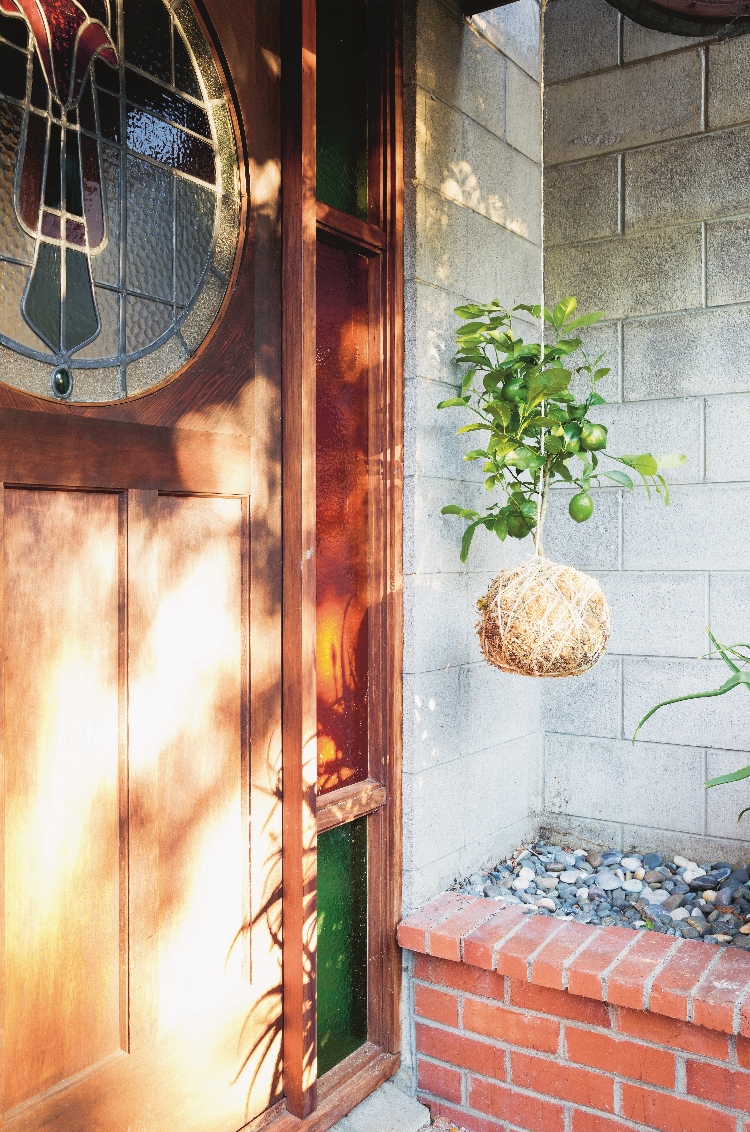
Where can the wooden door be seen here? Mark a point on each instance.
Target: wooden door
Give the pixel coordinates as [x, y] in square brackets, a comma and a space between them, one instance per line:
[139, 919]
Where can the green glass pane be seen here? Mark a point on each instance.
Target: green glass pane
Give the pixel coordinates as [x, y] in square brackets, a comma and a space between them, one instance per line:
[342, 942]
[342, 104]
[41, 304]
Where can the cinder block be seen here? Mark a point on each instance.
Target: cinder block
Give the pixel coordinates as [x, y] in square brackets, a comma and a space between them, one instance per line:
[432, 541]
[610, 780]
[432, 719]
[721, 721]
[438, 622]
[639, 42]
[500, 264]
[655, 613]
[441, 240]
[593, 545]
[523, 114]
[728, 91]
[727, 251]
[497, 181]
[585, 705]
[690, 179]
[724, 803]
[576, 832]
[705, 527]
[658, 427]
[601, 339]
[515, 31]
[434, 324]
[431, 445]
[639, 105]
[687, 354]
[579, 36]
[581, 200]
[460, 66]
[644, 274]
[727, 424]
[440, 144]
[729, 607]
[687, 845]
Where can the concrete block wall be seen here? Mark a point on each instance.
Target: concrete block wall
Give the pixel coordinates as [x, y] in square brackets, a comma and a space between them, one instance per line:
[472, 742]
[647, 216]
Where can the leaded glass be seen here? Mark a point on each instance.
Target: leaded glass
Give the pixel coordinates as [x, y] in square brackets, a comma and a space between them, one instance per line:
[119, 194]
[342, 942]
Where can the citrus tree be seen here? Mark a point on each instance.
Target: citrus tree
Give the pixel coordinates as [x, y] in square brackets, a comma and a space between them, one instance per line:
[536, 430]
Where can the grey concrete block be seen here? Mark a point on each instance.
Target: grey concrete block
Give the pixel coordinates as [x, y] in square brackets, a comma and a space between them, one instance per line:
[579, 832]
[727, 424]
[687, 845]
[639, 42]
[729, 607]
[721, 721]
[439, 617]
[431, 447]
[727, 251]
[386, 1110]
[441, 145]
[601, 339]
[610, 780]
[704, 528]
[655, 613]
[728, 83]
[500, 264]
[440, 246]
[497, 181]
[724, 803]
[581, 200]
[523, 113]
[459, 66]
[691, 179]
[585, 705]
[593, 545]
[648, 102]
[642, 274]
[515, 31]
[430, 326]
[579, 36]
[432, 541]
[658, 427]
[687, 354]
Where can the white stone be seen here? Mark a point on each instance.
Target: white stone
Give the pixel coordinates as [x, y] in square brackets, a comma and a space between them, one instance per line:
[570, 876]
[658, 897]
[526, 873]
[683, 863]
[632, 885]
[691, 874]
[582, 895]
[521, 884]
[547, 882]
[630, 863]
[545, 902]
[639, 873]
[710, 895]
[680, 914]
[608, 881]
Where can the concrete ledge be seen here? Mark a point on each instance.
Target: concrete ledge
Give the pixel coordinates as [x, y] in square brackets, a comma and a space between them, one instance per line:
[386, 1110]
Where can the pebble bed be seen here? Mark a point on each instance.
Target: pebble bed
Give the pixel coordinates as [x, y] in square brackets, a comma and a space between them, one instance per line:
[679, 897]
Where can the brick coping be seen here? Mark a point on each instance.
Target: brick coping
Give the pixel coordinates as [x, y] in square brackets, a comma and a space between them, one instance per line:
[675, 977]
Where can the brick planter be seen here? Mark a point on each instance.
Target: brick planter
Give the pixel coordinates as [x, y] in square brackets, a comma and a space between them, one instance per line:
[532, 1023]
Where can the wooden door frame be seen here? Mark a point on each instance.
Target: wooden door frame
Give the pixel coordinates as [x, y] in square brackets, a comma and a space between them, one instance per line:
[311, 1105]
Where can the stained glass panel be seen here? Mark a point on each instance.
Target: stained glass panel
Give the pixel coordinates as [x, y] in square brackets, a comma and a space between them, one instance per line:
[342, 942]
[119, 194]
[342, 104]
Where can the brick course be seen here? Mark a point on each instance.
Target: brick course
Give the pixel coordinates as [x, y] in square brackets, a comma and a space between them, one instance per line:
[647, 1034]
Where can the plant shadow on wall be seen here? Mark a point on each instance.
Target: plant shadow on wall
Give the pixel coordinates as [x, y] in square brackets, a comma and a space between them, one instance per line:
[737, 660]
[540, 618]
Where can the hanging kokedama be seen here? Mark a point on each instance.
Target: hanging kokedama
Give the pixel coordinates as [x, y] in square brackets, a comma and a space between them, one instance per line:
[539, 618]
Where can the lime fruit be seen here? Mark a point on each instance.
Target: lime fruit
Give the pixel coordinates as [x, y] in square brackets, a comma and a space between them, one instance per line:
[593, 437]
[581, 507]
[515, 389]
[518, 527]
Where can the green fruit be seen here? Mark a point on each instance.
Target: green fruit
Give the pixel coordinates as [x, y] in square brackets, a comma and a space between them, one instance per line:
[581, 507]
[518, 527]
[515, 389]
[593, 437]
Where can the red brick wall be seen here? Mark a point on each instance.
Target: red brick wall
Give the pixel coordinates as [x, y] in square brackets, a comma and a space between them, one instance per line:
[525, 1022]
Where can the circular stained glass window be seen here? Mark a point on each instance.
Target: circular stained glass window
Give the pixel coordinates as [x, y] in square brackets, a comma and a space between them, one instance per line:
[119, 194]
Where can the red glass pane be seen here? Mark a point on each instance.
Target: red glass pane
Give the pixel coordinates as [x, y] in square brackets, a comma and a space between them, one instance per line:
[342, 523]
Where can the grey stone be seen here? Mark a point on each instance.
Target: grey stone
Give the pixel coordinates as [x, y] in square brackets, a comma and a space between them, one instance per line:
[728, 89]
[608, 881]
[673, 902]
[652, 861]
[388, 1109]
[594, 858]
[570, 876]
[579, 36]
[660, 354]
[632, 885]
[523, 114]
[624, 107]
[630, 863]
[659, 897]
[691, 179]
[640, 274]
[727, 250]
[596, 892]
[581, 200]
[639, 42]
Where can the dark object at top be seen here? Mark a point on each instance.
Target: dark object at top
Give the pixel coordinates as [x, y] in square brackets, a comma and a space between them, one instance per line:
[676, 17]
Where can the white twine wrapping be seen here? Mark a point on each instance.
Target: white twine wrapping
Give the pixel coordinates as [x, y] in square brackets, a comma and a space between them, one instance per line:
[543, 619]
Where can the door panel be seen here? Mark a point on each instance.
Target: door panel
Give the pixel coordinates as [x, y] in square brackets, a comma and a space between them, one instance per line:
[62, 891]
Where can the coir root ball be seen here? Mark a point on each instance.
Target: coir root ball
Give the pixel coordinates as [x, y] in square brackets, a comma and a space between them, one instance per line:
[543, 619]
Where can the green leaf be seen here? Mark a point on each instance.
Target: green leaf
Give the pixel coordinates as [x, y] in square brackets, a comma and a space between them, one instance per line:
[499, 446]
[595, 399]
[563, 310]
[468, 536]
[547, 384]
[742, 812]
[531, 308]
[476, 454]
[500, 527]
[584, 320]
[454, 403]
[472, 310]
[501, 410]
[618, 477]
[473, 428]
[525, 459]
[673, 460]
[600, 373]
[466, 381]
[735, 776]
[451, 509]
[645, 463]
[470, 328]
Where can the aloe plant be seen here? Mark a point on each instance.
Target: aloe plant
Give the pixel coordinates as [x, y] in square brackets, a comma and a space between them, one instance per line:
[740, 675]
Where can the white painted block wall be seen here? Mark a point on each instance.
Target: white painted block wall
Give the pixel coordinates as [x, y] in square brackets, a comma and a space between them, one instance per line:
[647, 216]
